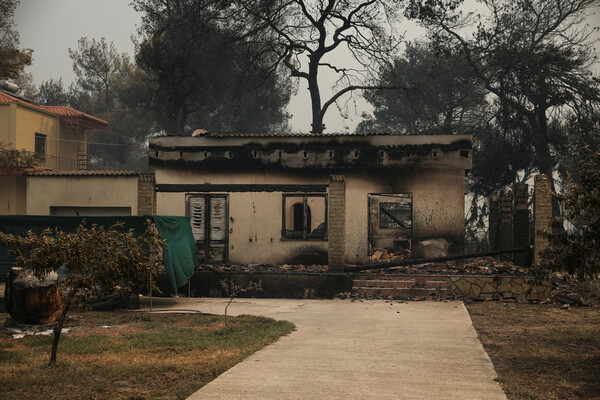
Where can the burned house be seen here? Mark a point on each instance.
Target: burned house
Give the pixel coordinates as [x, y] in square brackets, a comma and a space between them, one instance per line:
[330, 198]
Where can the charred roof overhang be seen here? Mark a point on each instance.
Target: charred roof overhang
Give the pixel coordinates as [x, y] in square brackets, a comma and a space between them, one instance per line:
[347, 153]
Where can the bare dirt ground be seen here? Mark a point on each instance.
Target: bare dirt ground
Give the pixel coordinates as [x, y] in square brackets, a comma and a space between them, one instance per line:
[541, 351]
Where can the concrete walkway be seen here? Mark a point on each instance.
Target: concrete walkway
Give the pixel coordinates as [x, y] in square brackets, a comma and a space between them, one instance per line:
[356, 350]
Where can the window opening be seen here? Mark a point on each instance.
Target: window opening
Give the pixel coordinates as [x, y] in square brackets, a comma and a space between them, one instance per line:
[395, 215]
[40, 143]
[390, 226]
[304, 217]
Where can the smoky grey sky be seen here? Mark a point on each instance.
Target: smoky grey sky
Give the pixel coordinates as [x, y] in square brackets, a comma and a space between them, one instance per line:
[51, 27]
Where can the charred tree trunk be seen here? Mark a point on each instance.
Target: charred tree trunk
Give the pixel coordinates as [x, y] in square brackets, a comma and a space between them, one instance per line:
[315, 98]
[59, 326]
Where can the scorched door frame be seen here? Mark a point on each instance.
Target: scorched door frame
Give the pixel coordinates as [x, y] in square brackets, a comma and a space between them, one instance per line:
[207, 227]
[370, 233]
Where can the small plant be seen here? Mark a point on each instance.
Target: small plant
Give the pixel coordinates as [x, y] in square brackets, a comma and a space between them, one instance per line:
[233, 289]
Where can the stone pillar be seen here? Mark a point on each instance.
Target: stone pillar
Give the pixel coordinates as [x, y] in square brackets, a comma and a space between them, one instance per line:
[146, 195]
[505, 238]
[521, 221]
[336, 222]
[542, 214]
[494, 221]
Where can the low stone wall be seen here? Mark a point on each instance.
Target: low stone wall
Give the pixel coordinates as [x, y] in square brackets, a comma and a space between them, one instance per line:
[275, 285]
[498, 287]
[327, 285]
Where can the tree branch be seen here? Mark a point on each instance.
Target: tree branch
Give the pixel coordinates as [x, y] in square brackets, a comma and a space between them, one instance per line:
[356, 87]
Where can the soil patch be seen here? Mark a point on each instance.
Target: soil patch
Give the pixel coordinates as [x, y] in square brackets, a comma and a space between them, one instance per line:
[541, 351]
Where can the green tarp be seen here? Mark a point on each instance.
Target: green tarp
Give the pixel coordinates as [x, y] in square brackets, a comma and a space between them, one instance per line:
[180, 250]
[179, 254]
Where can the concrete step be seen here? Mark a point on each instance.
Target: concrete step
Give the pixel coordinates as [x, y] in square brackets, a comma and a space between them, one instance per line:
[404, 292]
[400, 285]
[406, 283]
[400, 277]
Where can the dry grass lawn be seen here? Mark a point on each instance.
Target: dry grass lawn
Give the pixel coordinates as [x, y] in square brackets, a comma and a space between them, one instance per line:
[541, 351]
[139, 356]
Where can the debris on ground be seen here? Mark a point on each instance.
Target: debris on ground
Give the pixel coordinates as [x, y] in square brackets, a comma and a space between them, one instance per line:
[476, 266]
[264, 268]
[19, 331]
[569, 291]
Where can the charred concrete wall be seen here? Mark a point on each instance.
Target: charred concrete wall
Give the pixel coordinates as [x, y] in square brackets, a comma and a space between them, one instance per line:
[255, 202]
[256, 173]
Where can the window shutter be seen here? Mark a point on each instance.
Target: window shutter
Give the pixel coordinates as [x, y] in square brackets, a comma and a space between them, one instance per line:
[218, 218]
[197, 214]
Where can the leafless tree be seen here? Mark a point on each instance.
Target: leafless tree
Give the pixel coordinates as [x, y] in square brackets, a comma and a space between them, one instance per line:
[291, 31]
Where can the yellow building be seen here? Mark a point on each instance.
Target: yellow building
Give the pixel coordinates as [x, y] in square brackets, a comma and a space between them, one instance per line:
[59, 133]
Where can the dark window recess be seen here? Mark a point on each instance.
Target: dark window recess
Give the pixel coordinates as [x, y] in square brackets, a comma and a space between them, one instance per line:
[40, 143]
[395, 215]
[464, 154]
[208, 217]
[390, 224]
[300, 214]
[304, 217]
[434, 154]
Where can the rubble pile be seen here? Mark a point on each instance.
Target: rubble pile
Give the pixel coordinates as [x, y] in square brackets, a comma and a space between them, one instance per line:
[264, 268]
[477, 266]
[382, 255]
[570, 292]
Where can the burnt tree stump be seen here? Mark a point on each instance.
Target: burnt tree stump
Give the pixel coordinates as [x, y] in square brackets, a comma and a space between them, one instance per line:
[30, 300]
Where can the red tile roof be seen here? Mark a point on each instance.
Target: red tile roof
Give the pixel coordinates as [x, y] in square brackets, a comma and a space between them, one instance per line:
[11, 98]
[63, 112]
